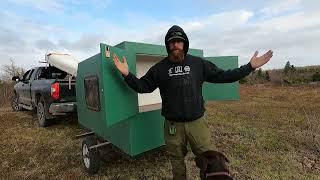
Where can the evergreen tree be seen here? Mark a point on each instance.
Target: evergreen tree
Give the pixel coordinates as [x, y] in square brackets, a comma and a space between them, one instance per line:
[287, 67]
[316, 77]
[267, 76]
[259, 74]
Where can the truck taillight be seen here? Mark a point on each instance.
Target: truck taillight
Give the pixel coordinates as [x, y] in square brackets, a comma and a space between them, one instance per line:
[55, 91]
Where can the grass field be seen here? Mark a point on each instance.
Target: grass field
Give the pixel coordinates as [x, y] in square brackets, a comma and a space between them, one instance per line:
[273, 132]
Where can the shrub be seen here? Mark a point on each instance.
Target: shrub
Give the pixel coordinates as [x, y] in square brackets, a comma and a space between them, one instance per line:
[316, 77]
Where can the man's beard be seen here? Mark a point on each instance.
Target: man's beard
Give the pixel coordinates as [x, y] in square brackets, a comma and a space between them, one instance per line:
[176, 56]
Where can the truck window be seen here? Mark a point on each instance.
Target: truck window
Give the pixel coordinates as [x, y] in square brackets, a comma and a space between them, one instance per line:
[30, 74]
[51, 73]
[57, 73]
[43, 73]
[25, 76]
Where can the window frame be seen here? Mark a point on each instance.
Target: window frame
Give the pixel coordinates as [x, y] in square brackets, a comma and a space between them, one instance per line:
[92, 104]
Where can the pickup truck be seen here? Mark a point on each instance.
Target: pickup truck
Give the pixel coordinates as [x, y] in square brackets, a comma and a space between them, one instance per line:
[48, 90]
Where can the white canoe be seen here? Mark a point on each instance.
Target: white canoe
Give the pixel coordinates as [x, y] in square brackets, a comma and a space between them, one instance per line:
[64, 62]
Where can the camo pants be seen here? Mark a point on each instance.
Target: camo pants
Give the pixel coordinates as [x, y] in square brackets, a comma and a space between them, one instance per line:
[178, 134]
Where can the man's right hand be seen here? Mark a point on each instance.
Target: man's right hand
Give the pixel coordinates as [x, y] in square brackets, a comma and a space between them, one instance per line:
[121, 66]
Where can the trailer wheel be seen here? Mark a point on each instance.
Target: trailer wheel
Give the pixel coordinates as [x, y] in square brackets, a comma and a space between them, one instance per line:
[15, 103]
[41, 113]
[91, 157]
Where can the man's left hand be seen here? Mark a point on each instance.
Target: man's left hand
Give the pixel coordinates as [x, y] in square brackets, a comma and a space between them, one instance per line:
[257, 62]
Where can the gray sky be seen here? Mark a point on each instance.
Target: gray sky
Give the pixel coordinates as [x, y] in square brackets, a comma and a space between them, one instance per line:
[291, 28]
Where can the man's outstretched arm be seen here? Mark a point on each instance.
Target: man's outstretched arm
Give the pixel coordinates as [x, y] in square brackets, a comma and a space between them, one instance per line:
[214, 74]
[145, 84]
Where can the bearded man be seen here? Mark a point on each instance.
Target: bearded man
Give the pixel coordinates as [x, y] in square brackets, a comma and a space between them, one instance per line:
[179, 77]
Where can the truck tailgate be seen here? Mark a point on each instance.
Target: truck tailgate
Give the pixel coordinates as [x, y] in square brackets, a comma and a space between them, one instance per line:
[67, 90]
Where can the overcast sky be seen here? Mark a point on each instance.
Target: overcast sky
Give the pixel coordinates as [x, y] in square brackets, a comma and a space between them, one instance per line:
[291, 28]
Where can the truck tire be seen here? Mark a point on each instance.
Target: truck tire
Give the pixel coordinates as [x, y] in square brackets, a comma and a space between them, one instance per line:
[91, 157]
[41, 113]
[15, 103]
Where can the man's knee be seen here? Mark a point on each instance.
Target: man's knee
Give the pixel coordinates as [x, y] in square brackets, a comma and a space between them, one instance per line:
[199, 136]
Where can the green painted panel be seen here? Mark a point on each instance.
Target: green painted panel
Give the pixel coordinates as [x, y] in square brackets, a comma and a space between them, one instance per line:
[225, 91]
[90, 119]
[119, 135]
[147, 131]
[120, 101]
[121, 45]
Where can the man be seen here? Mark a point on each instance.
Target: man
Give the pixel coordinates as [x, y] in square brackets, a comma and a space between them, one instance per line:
[179, 77]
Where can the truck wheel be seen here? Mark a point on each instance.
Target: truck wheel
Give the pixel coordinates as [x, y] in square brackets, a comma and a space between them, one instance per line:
[15, 103]
[41, 113]
[91, 157]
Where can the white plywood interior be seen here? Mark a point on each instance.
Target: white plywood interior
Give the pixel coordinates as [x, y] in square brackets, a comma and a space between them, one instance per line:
[147, 101]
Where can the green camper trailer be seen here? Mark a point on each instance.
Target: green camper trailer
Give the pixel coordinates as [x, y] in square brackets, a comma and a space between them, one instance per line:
[115, 114]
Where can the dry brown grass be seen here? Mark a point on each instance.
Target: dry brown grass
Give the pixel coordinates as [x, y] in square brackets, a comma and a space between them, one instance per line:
[6, 90]
[273, 132]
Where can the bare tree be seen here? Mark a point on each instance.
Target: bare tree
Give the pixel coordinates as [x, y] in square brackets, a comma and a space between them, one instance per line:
[10, 70]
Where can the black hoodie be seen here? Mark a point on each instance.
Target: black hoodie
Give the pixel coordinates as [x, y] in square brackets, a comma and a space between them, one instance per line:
[180, 84]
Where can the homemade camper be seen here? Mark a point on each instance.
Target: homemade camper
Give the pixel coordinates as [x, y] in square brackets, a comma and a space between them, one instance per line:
[115, 114]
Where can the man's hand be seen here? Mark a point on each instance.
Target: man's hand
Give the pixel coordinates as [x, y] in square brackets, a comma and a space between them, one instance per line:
[121, 66]
[257, 62]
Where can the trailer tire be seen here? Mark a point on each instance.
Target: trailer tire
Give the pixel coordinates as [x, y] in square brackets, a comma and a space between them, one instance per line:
[91, 157]
[15, 103]
[41, 113]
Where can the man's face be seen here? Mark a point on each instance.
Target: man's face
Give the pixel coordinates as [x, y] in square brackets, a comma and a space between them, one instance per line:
[175, 44]
[176, 50]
